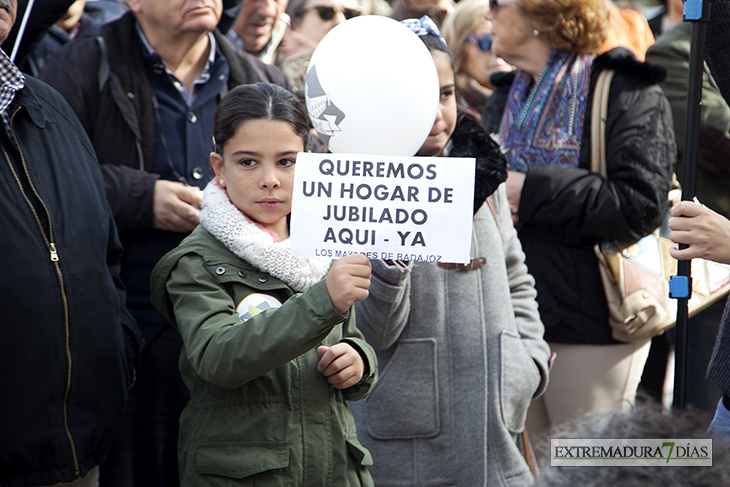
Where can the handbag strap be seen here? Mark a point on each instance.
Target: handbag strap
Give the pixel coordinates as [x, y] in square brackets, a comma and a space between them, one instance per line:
[529, 454]
[599, 117]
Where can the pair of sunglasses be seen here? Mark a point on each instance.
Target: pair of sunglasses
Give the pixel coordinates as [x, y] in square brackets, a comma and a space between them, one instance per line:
[326, 13]
[483, 42]
[495, 4]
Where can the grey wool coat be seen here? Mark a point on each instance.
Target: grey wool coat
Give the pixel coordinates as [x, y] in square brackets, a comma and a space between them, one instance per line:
[461, 355]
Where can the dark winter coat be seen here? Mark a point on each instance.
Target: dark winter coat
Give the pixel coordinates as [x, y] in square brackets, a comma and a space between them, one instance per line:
[565, 210]
[67, 341]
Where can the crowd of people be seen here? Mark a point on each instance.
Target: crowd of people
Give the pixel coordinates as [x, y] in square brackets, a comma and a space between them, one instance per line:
[159, 331]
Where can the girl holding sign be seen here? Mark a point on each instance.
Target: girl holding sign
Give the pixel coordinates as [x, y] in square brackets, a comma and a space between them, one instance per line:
[460, 346]
[271, 351]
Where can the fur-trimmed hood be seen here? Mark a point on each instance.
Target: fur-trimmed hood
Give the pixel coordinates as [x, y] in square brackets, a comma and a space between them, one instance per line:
[624, 61]
[471, 140]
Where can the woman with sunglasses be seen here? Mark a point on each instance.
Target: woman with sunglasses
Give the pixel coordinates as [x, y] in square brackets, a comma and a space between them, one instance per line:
[469, 36]
[561, 208]
[315, 18]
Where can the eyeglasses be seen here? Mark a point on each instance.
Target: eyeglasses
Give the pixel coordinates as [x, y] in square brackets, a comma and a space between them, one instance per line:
[495, 4]
[326, 13]
[483, 42]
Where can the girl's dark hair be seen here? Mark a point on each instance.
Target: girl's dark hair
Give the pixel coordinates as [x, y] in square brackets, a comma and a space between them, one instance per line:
[260, 101]
[434, 43]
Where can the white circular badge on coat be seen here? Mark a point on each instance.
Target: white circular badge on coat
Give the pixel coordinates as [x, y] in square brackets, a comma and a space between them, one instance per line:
[254, 304]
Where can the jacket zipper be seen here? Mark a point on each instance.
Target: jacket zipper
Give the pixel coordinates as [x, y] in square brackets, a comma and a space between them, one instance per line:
[55, 259]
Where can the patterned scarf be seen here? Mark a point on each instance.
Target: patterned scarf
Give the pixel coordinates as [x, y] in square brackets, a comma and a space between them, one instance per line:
[544, 125]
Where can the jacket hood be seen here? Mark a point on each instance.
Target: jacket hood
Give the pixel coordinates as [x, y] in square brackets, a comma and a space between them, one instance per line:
[624, 61]
[471, 140]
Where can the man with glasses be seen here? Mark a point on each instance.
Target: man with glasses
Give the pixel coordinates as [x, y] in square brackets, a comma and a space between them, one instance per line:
[146, 91]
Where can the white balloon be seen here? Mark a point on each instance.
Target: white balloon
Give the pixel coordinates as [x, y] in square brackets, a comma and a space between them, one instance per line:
[372, 88]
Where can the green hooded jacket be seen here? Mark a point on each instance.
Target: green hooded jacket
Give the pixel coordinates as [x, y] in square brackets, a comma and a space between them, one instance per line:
[259, 412]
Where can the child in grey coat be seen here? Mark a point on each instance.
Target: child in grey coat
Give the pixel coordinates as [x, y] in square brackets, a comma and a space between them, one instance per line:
[460, 347]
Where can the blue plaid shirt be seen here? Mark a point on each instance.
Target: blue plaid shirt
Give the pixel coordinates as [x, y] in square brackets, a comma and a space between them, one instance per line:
[11, 81]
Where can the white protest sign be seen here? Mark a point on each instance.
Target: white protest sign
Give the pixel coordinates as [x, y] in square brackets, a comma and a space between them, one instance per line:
[387, 207]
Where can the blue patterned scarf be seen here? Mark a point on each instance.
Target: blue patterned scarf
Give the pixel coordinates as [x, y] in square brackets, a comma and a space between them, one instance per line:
[544, 125]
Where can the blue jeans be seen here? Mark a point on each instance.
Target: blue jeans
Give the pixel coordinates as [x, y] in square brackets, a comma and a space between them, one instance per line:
[719, 428]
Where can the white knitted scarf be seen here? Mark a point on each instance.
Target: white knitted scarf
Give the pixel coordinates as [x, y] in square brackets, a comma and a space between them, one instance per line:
[255, 244]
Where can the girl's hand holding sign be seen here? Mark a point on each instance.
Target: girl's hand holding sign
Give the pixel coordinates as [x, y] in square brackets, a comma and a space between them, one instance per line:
[348, 281]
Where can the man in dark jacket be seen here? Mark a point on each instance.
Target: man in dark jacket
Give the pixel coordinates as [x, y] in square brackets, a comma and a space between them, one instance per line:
[146, 92]
[81, 19]
[68, 343]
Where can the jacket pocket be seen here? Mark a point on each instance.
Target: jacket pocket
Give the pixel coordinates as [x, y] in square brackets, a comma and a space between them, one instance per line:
[241, 459]
[518, 381]
[404, 402]
[361, 454]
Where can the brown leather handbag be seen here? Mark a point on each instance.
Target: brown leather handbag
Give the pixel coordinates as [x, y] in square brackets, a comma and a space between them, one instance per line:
[636, 275]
